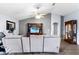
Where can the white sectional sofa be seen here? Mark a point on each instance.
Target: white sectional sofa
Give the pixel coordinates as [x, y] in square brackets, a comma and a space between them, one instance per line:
[26, 44]
[12, 44]
[34, 43]
[51, 44]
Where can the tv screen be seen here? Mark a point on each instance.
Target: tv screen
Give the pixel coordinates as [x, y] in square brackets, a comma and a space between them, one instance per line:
[34, 29]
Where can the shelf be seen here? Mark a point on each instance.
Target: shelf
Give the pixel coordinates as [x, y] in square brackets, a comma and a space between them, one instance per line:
[71, 31]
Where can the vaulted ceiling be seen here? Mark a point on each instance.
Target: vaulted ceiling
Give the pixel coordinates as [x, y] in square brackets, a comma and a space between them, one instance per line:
[26, 10]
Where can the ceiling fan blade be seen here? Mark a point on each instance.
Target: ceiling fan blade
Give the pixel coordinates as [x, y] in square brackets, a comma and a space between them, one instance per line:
[42, 14]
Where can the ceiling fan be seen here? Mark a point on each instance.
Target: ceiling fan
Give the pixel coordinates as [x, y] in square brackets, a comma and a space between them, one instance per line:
[39, 15]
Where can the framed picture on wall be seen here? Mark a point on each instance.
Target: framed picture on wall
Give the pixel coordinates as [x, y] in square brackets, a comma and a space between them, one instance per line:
[10, 25]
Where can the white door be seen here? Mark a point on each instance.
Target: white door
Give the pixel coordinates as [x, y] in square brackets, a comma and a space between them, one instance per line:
[12, 45]
[36, 43]
[26, 47]
[51, 44]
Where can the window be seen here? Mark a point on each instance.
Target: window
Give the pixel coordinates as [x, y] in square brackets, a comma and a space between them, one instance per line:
[55, 27]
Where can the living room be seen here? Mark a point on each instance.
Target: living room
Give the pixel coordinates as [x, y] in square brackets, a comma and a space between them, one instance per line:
[36, 28]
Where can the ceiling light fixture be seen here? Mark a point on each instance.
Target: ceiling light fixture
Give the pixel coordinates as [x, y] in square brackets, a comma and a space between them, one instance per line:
[38, 15]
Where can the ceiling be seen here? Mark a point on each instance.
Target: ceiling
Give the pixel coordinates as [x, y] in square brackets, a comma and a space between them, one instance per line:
[26, 10]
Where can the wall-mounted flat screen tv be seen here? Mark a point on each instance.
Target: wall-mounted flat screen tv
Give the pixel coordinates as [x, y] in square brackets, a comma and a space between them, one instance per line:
[34, 29]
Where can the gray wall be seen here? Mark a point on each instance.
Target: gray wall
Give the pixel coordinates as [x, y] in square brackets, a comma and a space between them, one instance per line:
[62, 27]
[46, 24]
